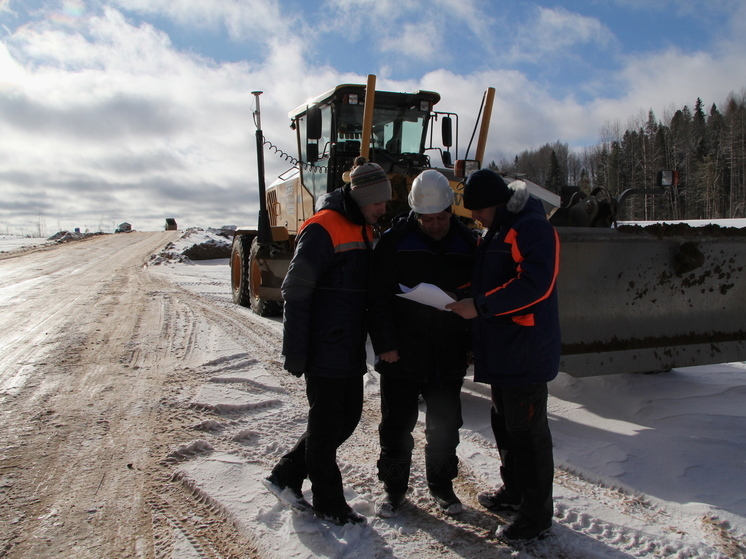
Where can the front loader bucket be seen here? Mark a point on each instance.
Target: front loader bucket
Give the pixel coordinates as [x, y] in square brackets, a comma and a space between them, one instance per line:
[648, 300]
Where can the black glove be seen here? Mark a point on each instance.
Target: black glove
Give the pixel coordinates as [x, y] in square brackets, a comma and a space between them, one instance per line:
[295, 365]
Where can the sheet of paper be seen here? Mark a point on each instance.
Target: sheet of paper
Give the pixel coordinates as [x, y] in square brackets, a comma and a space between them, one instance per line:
[427, 294]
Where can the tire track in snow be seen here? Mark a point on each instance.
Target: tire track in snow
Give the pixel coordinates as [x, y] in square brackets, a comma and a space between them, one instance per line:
[259, 436]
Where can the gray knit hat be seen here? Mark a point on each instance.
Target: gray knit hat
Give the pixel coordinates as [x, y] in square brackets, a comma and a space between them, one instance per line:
[369, 183]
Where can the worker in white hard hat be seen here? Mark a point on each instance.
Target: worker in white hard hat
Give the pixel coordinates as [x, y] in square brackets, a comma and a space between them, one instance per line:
[421, 351]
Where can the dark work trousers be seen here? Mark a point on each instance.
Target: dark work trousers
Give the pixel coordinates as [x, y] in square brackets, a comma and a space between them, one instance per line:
[399, 411]
[521, 428]
[335, 407]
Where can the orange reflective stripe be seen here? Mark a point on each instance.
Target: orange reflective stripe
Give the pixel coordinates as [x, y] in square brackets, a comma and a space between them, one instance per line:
[498, 288]
[515, 251]
[345, 235]
[524, 319]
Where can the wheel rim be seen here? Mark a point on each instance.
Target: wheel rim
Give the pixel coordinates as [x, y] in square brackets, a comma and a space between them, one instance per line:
[255, 280]
[236, 271]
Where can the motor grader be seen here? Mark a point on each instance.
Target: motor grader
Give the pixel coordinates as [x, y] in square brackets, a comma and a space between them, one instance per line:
[329, 131]
[632, 299]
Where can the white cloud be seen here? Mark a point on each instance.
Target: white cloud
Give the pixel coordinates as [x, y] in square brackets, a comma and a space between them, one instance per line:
[419, 41]
[242, 19]
[411, 29]
[555, 33]
[673, 76]
[734, 36]
[680, 7]
[106, 112]
[118, 115]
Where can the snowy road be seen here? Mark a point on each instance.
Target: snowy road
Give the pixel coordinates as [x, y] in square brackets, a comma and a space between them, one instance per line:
[141, 408]
[91, 348]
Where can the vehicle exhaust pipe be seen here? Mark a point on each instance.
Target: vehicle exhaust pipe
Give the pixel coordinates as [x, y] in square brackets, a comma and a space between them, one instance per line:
[264, 232]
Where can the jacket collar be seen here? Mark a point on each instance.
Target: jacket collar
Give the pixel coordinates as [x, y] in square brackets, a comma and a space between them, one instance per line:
[341, 201]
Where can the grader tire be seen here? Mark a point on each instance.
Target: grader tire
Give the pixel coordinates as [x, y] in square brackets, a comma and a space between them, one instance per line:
[240, 255]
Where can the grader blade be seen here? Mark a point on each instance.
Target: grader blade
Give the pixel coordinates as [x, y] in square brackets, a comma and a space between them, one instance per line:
[648, 300]
[270, 269]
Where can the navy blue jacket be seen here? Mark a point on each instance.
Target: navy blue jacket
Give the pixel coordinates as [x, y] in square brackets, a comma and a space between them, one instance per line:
[432, 343]
[517, 330]
[325, 291]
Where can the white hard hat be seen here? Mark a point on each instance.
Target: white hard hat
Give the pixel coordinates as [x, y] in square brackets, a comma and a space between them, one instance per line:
[431, 193]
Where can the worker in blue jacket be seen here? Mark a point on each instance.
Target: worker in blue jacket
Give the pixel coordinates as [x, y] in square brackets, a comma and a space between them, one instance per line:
[516, 332]
[421, 350]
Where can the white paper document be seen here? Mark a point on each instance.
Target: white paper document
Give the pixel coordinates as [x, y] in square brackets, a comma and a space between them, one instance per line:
[427, 294]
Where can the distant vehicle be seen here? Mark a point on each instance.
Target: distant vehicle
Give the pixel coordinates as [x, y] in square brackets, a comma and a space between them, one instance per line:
[170, 224]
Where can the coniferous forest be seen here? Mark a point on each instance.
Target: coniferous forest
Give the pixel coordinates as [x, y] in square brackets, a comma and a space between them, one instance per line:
[706, 146]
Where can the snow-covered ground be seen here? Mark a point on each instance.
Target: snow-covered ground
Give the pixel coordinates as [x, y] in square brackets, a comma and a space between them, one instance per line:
[20, 243]
[15, 242]
[647, 465]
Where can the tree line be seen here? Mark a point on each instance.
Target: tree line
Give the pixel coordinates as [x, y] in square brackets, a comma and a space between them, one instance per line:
[707, 148]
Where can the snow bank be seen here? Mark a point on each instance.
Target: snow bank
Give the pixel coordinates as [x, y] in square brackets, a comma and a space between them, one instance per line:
[647, 465]
[196, 244]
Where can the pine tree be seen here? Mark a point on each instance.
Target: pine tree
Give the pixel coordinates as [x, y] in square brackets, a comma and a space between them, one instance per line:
[585, 181]
[707, 149]
[555, 181]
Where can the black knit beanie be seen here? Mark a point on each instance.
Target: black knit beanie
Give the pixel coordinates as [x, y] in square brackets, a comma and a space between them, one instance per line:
[485, 188]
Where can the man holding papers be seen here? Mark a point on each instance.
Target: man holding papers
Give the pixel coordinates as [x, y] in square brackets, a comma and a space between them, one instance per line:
[421, 350]
[515, 316]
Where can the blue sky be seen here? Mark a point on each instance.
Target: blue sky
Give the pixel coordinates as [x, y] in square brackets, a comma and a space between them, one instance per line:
[136, 110]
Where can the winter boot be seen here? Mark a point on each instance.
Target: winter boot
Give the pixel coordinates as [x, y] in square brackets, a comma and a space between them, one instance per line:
[441, 470]
[446, 499]
[389, 504]
[523, 529]
[499, 501]
[291, 496]
[340, 517]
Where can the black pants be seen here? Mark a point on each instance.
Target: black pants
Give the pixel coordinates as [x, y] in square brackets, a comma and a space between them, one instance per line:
[521, 428]
[399, 411]
[335, 408]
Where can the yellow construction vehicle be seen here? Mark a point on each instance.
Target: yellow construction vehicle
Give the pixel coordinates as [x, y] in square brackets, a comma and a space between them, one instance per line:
[329, 133]
[631, 299]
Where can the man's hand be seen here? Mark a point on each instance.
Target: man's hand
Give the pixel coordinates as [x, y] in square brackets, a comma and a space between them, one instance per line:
[464, 308]
[295, 366]
[390, 356]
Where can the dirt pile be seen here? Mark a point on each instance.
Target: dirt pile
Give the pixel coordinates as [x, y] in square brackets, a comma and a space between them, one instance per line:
[196, 244]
